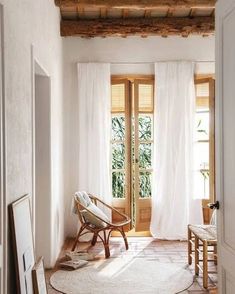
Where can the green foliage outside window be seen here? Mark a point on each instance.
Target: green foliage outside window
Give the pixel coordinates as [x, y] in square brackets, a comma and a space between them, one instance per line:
[118, 155]
[118, 128]
[145, 128]
[145, 155]
[118, 181]
[145, 184]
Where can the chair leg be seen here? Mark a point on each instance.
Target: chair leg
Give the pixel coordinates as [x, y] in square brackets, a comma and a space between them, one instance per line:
[125, 238]
[107, 251]
[106, 245]
[94, 239]
[215, 254]
[196, 255]
[205, 265]
[78, 235]
[189, 246]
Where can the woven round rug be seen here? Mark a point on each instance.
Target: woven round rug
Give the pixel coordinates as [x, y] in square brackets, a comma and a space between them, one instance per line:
[123, 275]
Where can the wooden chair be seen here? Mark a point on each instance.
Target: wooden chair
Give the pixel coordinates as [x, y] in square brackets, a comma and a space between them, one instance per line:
[202, 247]
[98, 223]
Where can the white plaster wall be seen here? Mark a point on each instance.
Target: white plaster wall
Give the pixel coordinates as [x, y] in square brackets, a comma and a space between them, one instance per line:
[118, 50]
[43, 167]
[29, 22]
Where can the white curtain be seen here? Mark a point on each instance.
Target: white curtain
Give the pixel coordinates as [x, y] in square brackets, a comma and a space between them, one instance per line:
[173, 206]
[94, 116]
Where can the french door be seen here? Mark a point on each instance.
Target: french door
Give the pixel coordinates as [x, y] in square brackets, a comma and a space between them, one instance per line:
[131, 145]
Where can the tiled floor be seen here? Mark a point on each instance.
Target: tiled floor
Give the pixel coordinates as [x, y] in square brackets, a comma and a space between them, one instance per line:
[163, 251]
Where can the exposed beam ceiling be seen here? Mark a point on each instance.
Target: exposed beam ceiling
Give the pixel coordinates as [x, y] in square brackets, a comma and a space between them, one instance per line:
[183, 26]
[103, 18]
[138, 4]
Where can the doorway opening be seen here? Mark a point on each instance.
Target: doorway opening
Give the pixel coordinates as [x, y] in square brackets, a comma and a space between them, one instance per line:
[131, 145]
[42, 162]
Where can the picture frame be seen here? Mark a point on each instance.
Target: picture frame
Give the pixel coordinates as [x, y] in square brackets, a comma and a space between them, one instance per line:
[39, 280]
[23, 245]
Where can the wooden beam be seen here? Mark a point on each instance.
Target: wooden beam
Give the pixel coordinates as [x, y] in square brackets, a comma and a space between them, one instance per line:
[80, 12]
[192, 12]
[103, 12]
[170, 12]
[147, 13]
[139, 27]
[138, 4]
[125, 13]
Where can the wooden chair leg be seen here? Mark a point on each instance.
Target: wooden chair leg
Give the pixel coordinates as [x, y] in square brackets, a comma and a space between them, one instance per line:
[205, 265]
[94, 239]
[215, 254]
[125, 238]
[196, 255]
[77, 238]
[189, 246]
[106, 245]
[107, 251]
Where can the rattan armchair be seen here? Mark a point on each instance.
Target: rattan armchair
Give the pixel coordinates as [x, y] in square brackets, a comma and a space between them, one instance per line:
[104, 227]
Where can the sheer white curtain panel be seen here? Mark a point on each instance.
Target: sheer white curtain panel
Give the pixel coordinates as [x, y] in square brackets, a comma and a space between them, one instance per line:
[94, 118]
[173, 206]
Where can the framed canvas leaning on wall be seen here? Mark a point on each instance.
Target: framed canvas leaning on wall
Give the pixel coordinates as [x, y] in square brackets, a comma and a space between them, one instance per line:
[39, 281]
[22, 236]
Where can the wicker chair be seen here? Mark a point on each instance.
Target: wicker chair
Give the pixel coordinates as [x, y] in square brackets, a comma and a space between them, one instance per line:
[96, 222]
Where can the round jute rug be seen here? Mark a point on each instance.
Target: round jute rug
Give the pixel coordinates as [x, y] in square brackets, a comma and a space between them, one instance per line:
[123, 276]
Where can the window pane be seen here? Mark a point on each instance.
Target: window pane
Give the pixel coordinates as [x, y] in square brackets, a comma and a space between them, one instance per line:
[118, 180]
[145, 155]
[202, 126]
[118, 128]
[145, 97]
[145, 182]
[145, 127]
[201, 183]
[118, 156]
[201, 155]
[118, 98]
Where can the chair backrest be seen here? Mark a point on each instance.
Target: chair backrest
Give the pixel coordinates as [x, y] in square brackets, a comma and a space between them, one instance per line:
[88, 211]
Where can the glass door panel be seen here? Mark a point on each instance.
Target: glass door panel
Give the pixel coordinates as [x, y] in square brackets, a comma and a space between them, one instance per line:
[143, 145]
[120, 147]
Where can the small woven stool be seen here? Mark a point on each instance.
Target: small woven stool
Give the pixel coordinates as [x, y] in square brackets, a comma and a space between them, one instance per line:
[203, 238]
